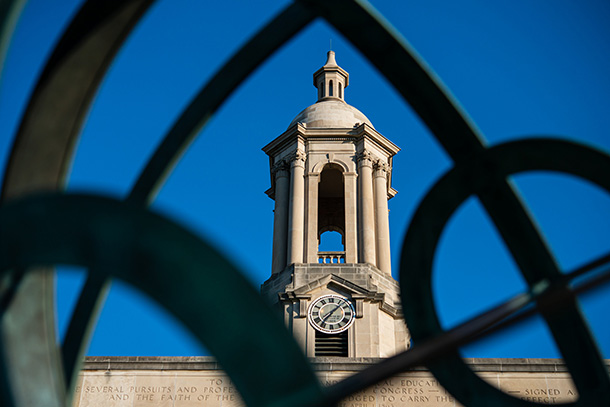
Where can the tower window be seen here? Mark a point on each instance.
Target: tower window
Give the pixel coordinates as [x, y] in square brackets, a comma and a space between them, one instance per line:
[331, 248]
[331, 215]
[331, 241]
[330, 88]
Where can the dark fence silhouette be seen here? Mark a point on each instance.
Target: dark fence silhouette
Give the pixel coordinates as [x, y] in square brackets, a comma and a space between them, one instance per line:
[40, 225]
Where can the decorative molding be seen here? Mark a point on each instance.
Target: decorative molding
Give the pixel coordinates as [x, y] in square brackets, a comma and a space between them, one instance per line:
[382, 168]
[280, 166]
[303, 302]
[364, 158]
[359, 305]
[198, 363]
[394, 312]
[297, 158]
[300, 300]
[318, 167]
[302, 134]
[319, 138]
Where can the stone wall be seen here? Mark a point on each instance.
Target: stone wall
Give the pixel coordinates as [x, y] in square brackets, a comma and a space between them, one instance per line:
[199, 381]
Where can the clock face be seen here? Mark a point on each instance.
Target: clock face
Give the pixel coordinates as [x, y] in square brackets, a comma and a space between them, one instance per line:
[331, 314]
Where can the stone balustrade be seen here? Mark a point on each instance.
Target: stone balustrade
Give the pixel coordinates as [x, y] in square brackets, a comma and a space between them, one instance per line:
[331, 257]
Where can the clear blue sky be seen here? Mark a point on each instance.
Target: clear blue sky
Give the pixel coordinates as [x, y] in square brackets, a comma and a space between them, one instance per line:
[518, 68]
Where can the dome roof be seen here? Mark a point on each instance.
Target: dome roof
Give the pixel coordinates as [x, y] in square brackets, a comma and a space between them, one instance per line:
[331, 113]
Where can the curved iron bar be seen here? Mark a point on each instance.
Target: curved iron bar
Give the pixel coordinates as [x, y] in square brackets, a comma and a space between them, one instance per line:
[10, 284]
[390, 53]
[399, 63]
[464, 180]
[226, 80]
[273, 35]
[175, 267]
[82, 324]
[290, 22]
[458, 136]
[486, 324]
[9, 13]
[52, 123]
[74, 71]
[6, 392]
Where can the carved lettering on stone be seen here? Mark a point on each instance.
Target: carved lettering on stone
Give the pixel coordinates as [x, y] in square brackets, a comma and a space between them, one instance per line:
[212, 389]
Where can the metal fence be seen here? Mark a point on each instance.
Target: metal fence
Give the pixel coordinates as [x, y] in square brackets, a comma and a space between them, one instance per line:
[40, 225]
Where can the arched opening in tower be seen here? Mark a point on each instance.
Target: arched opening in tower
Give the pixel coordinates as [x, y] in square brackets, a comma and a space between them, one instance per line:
[330, 241]
[331, 211]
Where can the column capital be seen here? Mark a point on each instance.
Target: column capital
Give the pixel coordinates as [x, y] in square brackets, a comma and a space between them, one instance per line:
[297, 158]
[381, 168]
[280, 169]
[364, 159]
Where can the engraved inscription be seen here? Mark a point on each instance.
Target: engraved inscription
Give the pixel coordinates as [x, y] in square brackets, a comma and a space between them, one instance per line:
[212, 389]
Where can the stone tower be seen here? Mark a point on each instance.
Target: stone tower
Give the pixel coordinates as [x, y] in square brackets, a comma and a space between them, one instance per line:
[331, 172]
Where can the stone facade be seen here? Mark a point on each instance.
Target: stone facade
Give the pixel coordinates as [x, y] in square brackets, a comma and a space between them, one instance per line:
[379, 328]
[198, 381]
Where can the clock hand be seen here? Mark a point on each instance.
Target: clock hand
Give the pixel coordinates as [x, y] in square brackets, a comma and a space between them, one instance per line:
[324, 318]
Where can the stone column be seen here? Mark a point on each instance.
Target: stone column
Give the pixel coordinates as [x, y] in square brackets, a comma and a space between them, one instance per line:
[313, 179]
[381, 213]
[366, 224]
[351, 217]
[280, 216]
[297, 208]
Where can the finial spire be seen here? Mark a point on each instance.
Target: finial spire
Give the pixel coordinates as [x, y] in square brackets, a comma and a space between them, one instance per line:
[330, 59]
[331, 79]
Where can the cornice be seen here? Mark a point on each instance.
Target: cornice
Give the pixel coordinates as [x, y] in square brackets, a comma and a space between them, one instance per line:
[331, 364]
[369, 133]
[298, 130]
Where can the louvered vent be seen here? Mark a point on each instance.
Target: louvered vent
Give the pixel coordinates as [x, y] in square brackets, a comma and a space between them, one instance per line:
[331, 345]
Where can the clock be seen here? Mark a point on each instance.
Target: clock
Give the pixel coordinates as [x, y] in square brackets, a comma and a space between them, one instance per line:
[331, 314]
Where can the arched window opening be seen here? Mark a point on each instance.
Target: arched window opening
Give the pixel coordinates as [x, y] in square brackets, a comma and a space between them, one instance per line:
[331, 248]
[331, 241]
[331, 215]
[340, 90]
[330, 88]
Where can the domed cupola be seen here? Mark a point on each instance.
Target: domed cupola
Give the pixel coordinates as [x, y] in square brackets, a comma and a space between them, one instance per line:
[331, 79]
[331, 110]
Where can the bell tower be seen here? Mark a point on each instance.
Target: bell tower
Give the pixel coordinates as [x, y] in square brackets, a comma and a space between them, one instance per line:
[331, 172]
